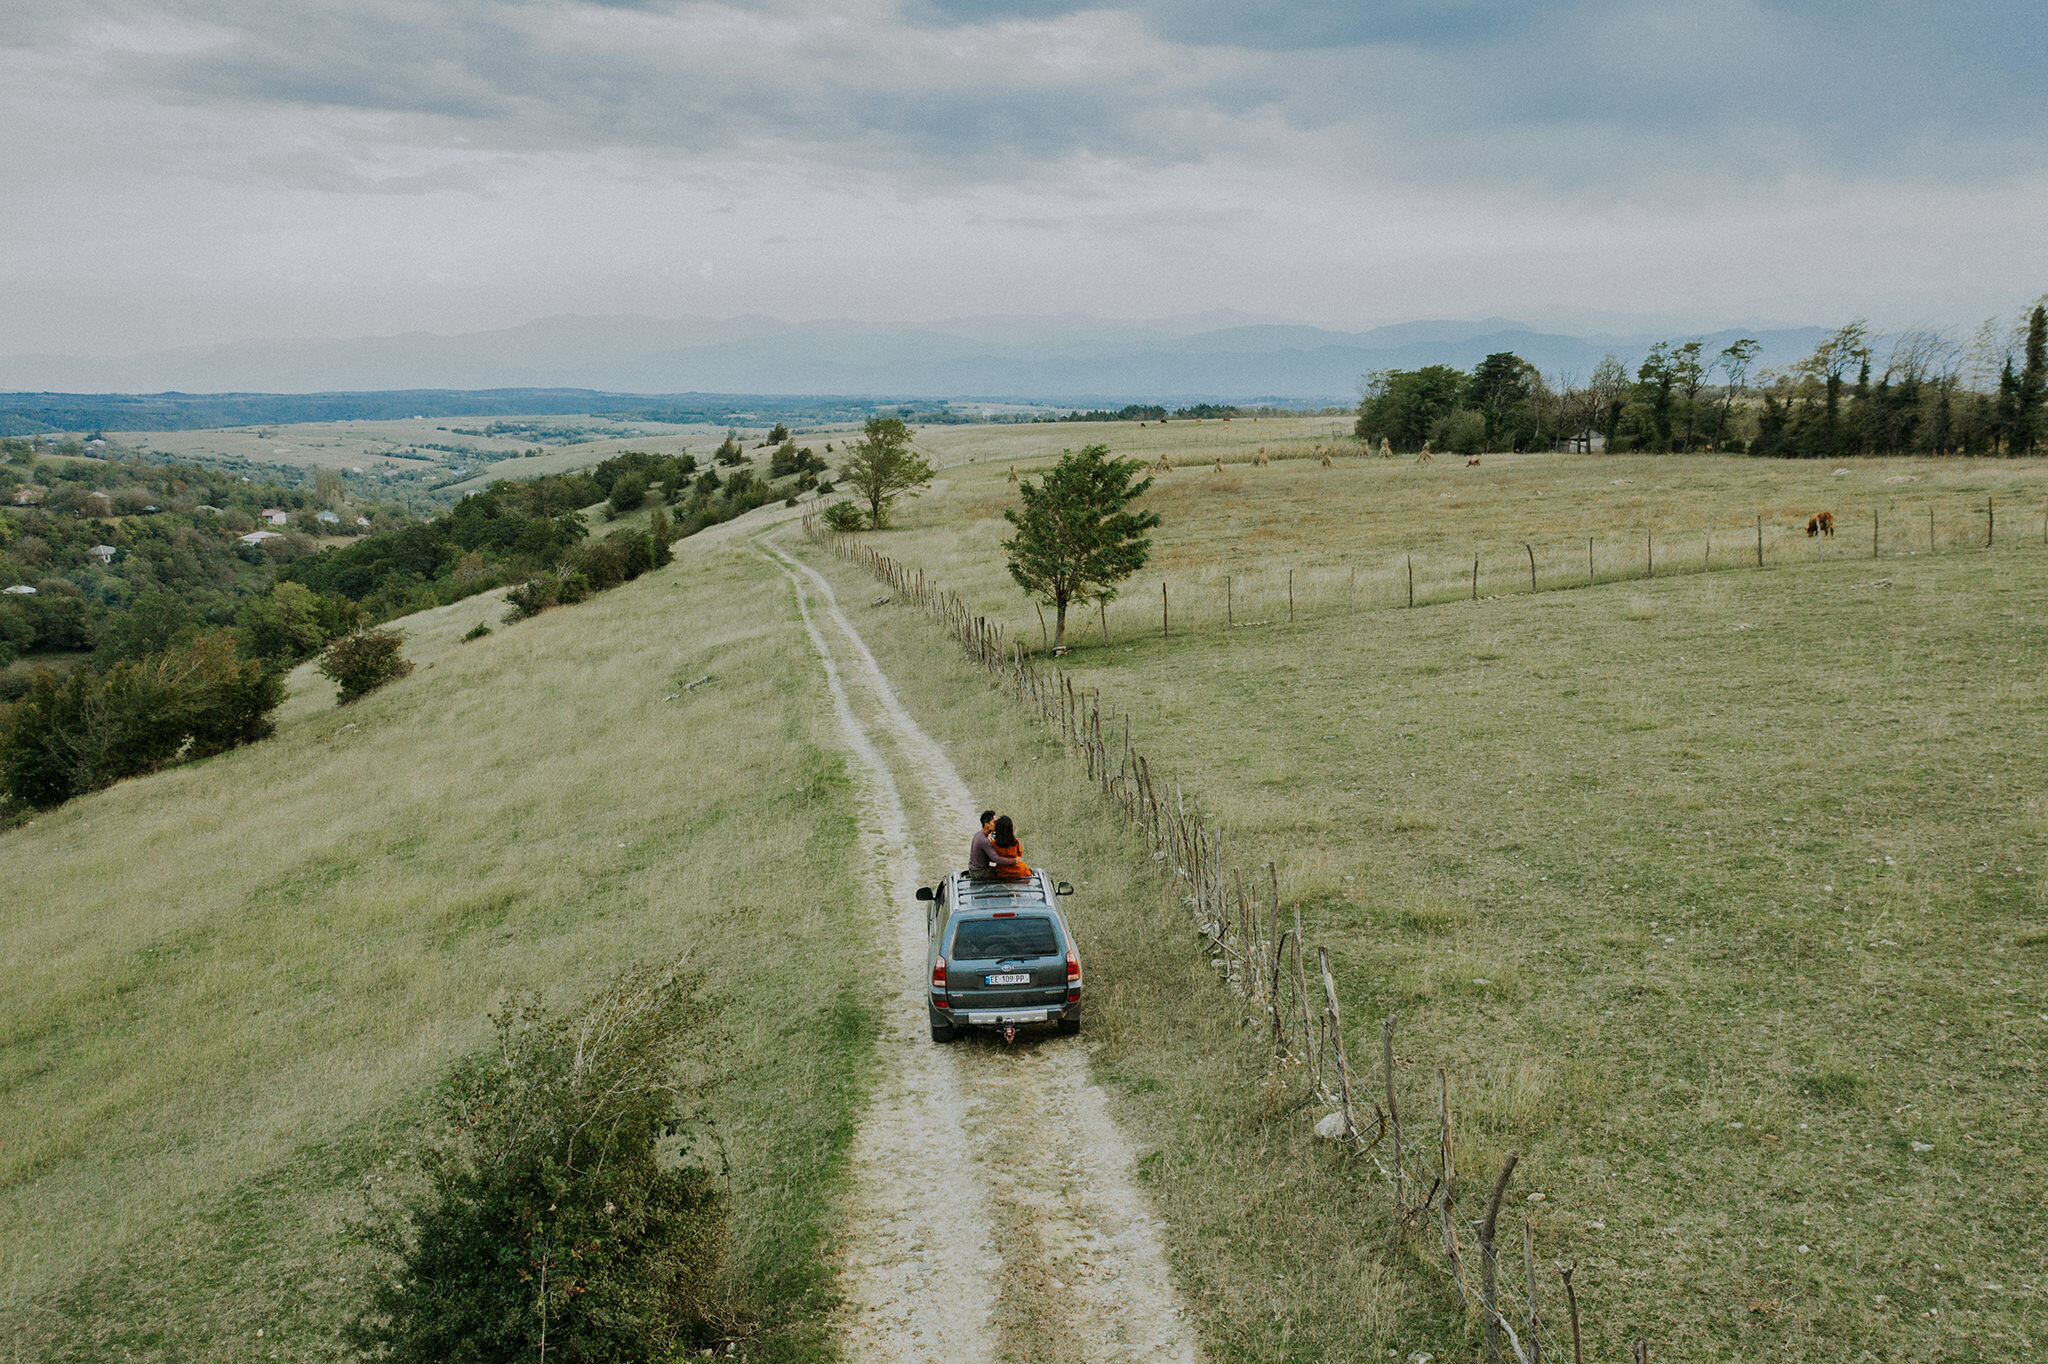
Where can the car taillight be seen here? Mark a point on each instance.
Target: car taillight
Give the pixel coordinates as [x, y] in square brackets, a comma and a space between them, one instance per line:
[1073, 967]
[939, 975]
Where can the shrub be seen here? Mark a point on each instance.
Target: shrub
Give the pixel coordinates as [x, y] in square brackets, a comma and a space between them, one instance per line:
[844, 516]
[629, 491]
[1462, 432]
[478, 631]
[92, 729]
[360, 662]
[571, 1195]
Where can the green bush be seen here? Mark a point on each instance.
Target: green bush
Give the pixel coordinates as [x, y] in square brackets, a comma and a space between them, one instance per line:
[360, 662]
[92, 729]
[1460, 433]
[478, 631]
[844, 516]
[629, 491]
[572, 1196]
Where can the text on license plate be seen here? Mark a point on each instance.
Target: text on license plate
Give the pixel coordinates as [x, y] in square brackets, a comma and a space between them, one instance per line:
[1009, 978]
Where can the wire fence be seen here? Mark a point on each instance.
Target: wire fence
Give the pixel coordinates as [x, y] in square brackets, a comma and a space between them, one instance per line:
[1261, 953]
[1231, 598]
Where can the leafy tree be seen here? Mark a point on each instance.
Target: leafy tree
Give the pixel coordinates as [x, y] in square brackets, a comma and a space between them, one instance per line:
[881, 465]
[1405, 405]
[2032, 387]
[1609, 388]
[1076, 538]
[573, 1204]
[150, 624]
[1500, 383]
[1735, 359]
[282, 626]
[1689, 376]
[730, 451]
[1654, 381]
[778, 435]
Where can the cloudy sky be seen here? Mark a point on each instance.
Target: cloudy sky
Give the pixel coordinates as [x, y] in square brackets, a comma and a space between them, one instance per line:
[179, 172]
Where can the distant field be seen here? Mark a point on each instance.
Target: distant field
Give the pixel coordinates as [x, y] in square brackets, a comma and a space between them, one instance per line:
[233, 984]
[1722, 895]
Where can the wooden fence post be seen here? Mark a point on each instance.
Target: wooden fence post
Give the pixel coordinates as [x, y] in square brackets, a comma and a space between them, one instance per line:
[1571, 1302]
[1475, 577]
[1337, 1039]
[1873, 532]
[1930, 528]
[1411, 580]
[1351, 589]
[1229, 602]
[1102, 605]
[1488, 1289]
[1163, 631]
[1532, 565]
[1759, 540]
[1649, 555]
[1290, 596]
[1393, 1112]
[1990, 522]
[1529, 1278]
[1589, 561]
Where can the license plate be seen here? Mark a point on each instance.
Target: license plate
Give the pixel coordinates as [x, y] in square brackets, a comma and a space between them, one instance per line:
[1008, 978]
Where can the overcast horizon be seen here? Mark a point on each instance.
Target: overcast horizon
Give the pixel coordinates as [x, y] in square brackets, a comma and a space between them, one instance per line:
[184, 175]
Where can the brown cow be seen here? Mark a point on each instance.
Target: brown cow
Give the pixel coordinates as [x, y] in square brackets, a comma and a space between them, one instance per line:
[1472, 463]
[1821, 523]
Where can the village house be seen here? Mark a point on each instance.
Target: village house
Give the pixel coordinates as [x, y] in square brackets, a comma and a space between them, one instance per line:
[19, 590]
[327, 517]
[104, 553]
[257, 537]
[276, 516]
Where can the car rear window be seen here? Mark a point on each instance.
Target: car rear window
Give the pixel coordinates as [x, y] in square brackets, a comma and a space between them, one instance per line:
[1001, 939]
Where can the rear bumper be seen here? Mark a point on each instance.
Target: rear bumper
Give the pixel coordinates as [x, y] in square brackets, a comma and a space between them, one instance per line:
[1017, 1015]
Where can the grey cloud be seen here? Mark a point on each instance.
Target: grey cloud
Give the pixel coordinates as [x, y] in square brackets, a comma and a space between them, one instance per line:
[1603, 96]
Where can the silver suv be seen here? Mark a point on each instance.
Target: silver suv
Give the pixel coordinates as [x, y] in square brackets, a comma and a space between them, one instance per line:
[1000, 955]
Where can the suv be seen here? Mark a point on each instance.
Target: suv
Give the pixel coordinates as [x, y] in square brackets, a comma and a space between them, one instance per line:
[1000, 955]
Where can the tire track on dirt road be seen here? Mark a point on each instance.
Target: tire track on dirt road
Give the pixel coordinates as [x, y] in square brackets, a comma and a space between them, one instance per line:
[1082, 1276]
[920, 1270]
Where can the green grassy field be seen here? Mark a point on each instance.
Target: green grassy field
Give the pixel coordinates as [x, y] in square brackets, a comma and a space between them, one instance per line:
[234, 983]
[1721, 896]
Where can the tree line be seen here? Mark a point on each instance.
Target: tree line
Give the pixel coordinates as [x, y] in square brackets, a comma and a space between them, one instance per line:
[1921, 392]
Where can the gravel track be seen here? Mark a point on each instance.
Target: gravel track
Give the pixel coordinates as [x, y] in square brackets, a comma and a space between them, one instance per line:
[995, 1215]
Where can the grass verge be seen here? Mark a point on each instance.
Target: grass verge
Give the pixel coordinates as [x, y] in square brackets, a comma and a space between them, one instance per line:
[236, 981]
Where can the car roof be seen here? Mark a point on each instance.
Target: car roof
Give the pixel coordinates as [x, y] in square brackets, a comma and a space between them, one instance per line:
[971, 893]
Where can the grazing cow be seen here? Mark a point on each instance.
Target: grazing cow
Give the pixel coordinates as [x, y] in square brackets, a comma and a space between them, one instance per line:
[1821, 523]
[1472, 463]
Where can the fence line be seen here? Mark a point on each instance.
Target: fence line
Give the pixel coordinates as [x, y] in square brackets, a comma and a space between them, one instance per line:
[1262, 958]
[1238, 598]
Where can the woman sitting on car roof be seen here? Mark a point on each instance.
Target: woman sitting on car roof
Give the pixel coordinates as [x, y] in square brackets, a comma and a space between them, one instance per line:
[1009, 854]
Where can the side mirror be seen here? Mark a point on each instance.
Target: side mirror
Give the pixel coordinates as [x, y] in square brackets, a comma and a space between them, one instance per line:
[924, 892]
[1063, 889]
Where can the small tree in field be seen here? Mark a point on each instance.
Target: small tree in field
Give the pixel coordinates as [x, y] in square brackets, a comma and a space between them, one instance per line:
[881, 464]
[1076, 537]
[362, 661]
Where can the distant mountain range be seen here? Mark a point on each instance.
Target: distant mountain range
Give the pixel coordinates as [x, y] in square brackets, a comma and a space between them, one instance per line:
[1061, 360]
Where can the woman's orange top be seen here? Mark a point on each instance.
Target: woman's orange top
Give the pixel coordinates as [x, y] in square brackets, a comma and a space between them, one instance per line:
[1019, 872]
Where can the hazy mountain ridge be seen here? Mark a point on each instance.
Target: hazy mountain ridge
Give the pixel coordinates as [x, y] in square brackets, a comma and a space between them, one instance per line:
[1061, 359]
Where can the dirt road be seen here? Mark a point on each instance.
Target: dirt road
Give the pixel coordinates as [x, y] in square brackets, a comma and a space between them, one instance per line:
[995, 1213]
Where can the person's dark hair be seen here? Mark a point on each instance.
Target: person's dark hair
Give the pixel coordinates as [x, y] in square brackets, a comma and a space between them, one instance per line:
[987, 815]
[1006, 832]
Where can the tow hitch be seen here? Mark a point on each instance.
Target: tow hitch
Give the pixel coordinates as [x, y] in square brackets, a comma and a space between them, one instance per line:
[1009, 1032]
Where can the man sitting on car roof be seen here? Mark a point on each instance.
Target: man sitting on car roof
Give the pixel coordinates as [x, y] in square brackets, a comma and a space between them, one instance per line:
[982, 857]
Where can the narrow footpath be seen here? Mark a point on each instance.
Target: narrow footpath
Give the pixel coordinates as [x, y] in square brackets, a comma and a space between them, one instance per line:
[995, 1214]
